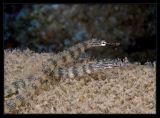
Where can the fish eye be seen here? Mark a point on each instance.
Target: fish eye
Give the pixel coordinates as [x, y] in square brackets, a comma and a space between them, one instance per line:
[103, 43]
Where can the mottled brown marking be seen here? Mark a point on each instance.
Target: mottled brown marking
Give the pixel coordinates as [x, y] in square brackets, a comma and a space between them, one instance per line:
[71, 53]
[20, 97]
[18, 84]
[84, 68]
[54, 63]
[11, 105]
[85, 45]
[51, 73]
[79, 50]
[19, 100]
[75, 71]
[64, 58]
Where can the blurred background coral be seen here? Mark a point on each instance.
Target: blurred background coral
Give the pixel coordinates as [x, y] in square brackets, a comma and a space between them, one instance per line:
[55, 27]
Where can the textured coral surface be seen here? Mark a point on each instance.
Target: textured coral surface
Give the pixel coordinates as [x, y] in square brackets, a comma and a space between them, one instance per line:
[117, 90]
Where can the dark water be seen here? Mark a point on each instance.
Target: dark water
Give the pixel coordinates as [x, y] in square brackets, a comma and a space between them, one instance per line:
[53, 28]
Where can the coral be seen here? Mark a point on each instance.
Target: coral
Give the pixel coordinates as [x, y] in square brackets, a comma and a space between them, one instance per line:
[55, 69]
[24, 68]
[48, 27]
[129, 89]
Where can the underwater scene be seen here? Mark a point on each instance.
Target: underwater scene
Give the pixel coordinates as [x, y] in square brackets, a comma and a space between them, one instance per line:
[79, 58]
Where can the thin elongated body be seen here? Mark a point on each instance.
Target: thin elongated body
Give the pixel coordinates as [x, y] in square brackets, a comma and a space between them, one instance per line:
[71, 54]
[64, 73]
[22, 89]
[77, 71]
[18, 92]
